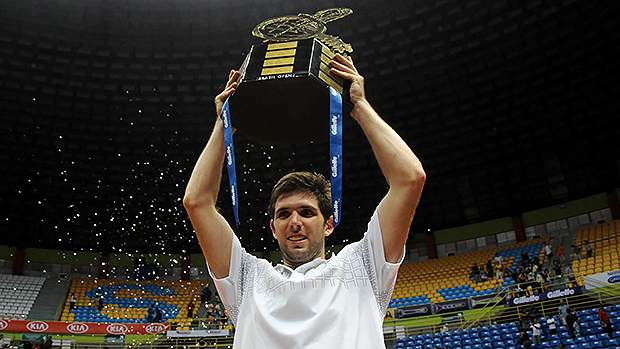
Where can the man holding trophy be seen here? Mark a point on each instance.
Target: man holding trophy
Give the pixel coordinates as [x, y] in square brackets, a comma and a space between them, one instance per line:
[308, 301]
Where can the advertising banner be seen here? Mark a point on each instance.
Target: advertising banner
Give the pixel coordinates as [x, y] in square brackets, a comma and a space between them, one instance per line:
[80, 327]
[570, 291]
[595, 281]
[198, 333]
[447, 306]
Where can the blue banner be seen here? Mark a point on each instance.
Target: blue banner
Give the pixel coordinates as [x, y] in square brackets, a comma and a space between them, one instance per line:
[230, 159]
[335, 152]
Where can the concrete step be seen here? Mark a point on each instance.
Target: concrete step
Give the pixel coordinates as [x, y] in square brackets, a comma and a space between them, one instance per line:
[48, 302]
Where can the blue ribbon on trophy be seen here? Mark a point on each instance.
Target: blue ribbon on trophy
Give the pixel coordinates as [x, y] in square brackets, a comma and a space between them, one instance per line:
[335, 151]
[230, 159]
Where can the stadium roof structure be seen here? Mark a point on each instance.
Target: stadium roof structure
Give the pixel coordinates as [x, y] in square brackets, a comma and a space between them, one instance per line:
[511, 105]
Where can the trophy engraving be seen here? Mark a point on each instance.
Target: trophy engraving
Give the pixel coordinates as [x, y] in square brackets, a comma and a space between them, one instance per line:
[304, 26]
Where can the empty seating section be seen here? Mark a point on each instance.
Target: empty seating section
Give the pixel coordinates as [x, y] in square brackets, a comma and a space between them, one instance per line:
[129, 301]
[605, 242]
[504, 336]
[448, 278]
[17, 295]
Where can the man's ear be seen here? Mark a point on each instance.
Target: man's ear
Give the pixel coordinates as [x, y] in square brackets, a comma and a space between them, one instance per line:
[273, 229]
[329, 226]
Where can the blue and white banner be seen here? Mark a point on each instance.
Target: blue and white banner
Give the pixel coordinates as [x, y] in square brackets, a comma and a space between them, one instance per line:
[335, 152]
[595, 281]
[230, 159]
[539, 297]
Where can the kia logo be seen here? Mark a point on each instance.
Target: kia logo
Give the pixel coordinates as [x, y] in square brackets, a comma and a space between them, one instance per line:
[155, 328]
[3, 325]
[37, 326]
[77, 327]
[117, 329]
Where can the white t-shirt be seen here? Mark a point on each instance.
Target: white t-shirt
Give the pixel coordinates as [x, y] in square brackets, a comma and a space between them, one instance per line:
[334, 303]
[536, 329]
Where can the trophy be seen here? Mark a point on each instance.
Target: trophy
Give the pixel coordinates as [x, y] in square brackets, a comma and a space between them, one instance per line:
[283, 93]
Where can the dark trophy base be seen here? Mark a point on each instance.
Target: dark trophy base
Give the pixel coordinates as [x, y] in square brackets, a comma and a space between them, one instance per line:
[283, 97]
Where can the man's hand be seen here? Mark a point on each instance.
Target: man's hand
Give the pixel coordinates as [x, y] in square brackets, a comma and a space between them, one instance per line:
[344, 67]
[231, 85]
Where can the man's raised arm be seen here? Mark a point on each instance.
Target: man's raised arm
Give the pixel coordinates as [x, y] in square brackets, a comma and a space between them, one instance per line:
[214, 233]
[401, 168]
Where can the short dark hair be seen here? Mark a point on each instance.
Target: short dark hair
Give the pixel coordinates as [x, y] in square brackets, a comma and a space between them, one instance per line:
[309, 182]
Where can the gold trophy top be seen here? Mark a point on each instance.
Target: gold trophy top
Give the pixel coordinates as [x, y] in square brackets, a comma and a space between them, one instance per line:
[304, 26]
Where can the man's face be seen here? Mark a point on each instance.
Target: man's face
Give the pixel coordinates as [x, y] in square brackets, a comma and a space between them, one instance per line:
[300, 228]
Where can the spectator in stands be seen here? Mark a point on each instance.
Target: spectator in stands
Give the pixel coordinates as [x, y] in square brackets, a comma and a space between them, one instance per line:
[210, 309]
[150, 314]
[540, 282]
[546, 277]
[26, 345]
[524, 319]
[508, 272]
[588, 248]
[48, 343]
[525, 258]
[498, 287]
[563, 311]
[557, 269]
[499, 268]
[308, 305]
[536, 332]
[548, 251]
[570, 274]
[483, 275]
[205, 295]
[576, 252]
[190, 309]
[158, 315]
[559, 251]
[475, 273]
[552, 326]
[524, 339]
[571, 320]
[497, 258]
[490, 270]
[98, 302]
[561, 345]
[605, 321]
[72, 301]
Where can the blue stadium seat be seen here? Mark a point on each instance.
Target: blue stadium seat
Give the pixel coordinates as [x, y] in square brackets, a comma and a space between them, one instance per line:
[602, 336]
[563, 335]
[596, 344]
[587, 331]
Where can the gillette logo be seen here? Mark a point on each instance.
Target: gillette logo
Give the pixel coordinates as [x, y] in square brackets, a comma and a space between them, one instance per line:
[334, 124]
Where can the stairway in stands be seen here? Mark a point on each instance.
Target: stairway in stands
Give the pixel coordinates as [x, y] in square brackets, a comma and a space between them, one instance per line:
[47, 304]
